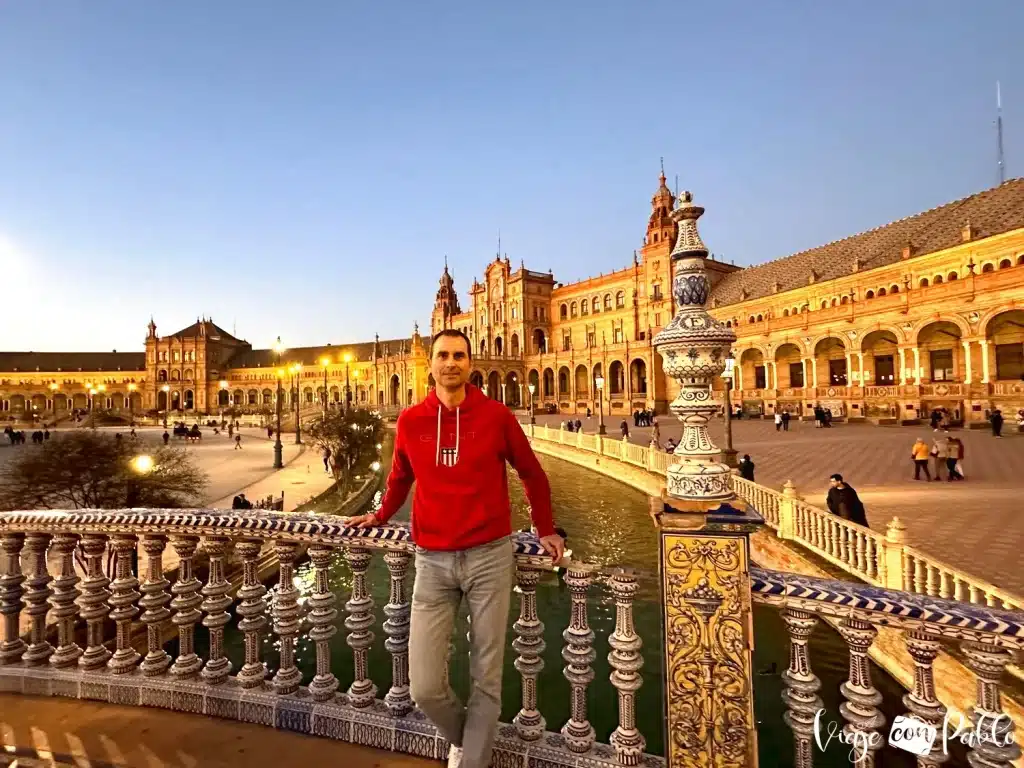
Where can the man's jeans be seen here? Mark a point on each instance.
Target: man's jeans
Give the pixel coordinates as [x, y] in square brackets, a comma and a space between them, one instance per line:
[485, 576]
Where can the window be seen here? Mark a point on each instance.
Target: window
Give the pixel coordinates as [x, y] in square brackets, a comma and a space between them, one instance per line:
[759, 377]
[572, 309]
[924, 282]
[881, 291]
[657, 319]
[885, 370]
[177, 356]
[988, 268]
[563, 311]
[584, 307]
[591, 339]
[1004, 264]
[566, 342]
[656, 292]
[894, 289]
[951, 277]
[515, 313]
[607, 302]
[620, 299]
[869, 295]
[595, 305]
[796, 374]
[617, 335]
[1009, 362]
[942, 364]
[837, 372]
[785, 313]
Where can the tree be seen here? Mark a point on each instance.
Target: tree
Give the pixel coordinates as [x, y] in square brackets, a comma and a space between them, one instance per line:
[353, 438]
[85, 469]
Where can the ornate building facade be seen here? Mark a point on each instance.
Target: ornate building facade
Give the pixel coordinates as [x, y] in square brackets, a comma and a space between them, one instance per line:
[922, 313]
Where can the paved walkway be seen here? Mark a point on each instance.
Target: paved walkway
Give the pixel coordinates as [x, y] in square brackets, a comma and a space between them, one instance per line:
[99, 735]
[977, 526]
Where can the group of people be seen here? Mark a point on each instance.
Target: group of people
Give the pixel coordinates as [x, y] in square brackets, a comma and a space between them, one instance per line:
[782, 421]
[946, 450]
[822, 417]
[17, 436]
[643, 418]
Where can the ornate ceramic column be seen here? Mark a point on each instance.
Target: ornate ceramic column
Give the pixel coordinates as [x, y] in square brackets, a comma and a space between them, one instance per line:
[704, 537]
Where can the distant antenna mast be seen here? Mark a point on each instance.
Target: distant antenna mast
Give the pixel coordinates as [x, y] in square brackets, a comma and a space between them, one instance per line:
[999, 132]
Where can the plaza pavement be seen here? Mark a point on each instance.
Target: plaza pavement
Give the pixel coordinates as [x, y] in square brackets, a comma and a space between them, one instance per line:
[976, 526]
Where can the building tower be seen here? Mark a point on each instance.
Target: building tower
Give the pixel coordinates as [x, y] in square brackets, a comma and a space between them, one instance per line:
[446, 302]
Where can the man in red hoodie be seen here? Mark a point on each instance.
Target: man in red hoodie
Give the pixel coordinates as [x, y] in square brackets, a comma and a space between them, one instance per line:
[454, 446]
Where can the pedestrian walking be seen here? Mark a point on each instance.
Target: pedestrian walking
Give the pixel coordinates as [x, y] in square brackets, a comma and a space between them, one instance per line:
[844, 502]
[778, 421]
[785, 421]
[954, 453]
[997, 423]
[453, 445]
[746, 468]
[919, 452]
[327, 459]
[624, 426]
[938, 452]
[238, 442]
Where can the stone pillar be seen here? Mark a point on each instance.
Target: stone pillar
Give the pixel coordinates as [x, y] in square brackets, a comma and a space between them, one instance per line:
[967, 364]
[892, 560]
[704, 535]
[903, 365]
[985, 373]
[917, 366]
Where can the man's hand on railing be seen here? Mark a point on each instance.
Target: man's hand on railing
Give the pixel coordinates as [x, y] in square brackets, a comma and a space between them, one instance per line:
[554, 545]
[363, 521]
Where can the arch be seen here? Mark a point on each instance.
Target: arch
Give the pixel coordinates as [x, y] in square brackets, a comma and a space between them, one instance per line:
[824, 304]
[835, 302]
[620, 300]
[584, 308]
[598, 370]
[476, 379]
[845, 299]
[494, 385]
[514, 346]
[335, 393]
[988, 266]
[540, 344]
[951, 277]
[638, 376]
[1020, 260]
[549, 383]
[607, 302]
[563, 381]
[785, 312]
[616, 378]
[582, 381]
[869, 295]
[190, 400]
[175, 400]
[251, 397]
[268, 397]
[161, 400]
[563, 312]
[188, 374]
[882, 292]
[595, 305]
[573, 309]
[533, 377]
[937, 280]
[512, 398]
[162, 375]
[728, 323]
[1005, 264]
[760, 318]
[964, 327]
[880, 357]
[786, 349]
[923, 283]
[483, 347]
[827, 343]
[894, 289]
[175, 375]
[499, 346]
[223, 398]
[395, 390]
[1005, 330]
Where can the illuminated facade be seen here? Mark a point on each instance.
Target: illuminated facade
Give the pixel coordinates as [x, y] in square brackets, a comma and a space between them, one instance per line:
[921, 313]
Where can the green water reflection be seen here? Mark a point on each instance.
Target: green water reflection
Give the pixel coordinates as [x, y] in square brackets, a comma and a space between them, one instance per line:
[607, 523]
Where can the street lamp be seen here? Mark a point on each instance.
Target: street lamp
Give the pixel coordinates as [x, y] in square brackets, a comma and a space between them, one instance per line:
[167, 401]
[53, 396]
[278, 448]
[296, 369]
[599, 381]
[92, 404]
[325, 361]
[532, 388]
[355, 375]
[729, 454]
[348, 389]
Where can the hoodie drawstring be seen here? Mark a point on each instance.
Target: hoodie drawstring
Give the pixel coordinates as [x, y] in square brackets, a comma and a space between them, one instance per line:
[437, 454]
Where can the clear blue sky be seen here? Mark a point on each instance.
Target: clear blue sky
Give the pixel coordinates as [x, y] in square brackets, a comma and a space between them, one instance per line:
[302, 168]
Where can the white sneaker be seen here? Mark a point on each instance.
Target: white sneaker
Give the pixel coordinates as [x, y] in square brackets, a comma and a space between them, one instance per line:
[455, 757]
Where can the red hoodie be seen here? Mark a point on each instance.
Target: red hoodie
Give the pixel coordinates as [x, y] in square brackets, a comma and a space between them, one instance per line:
[457, 460]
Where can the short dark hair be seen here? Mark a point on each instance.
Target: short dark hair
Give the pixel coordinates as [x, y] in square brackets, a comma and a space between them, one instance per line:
[454, 333]
[837, 477]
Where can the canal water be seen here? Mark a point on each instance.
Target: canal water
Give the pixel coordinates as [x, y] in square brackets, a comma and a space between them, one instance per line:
[607, 523]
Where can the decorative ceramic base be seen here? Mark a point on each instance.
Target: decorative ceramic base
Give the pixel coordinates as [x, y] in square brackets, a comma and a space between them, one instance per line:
[698, 481]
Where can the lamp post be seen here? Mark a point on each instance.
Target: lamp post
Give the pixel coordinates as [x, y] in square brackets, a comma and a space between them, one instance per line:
[92, 404]
[325, 361]
[599, 381]
[296, 370]
[53, 398]
[167, 401]
[355, 389]
[278, 448]
[532, 388]
[348, 389]
[729, 454]
[131, 403]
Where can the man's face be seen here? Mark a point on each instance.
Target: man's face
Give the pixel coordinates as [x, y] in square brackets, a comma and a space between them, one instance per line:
[833, 482]
[450, 363]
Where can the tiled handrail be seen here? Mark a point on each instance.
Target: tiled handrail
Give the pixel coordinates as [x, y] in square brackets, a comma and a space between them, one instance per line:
[877, 558]
[988, 639]
[31, 541]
